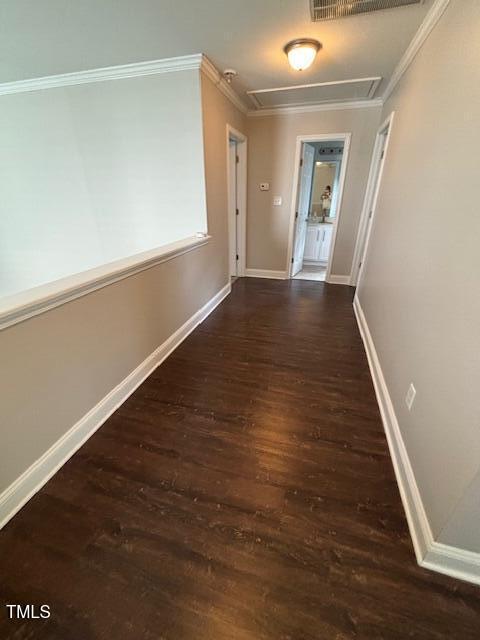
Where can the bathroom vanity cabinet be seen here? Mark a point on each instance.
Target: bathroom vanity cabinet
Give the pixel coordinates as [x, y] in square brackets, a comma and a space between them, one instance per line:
[317, 243]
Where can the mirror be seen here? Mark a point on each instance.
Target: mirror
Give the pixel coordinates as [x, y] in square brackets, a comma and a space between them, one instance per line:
[325, 178]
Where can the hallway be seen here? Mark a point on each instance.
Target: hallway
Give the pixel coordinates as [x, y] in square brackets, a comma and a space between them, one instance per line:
[243, 492]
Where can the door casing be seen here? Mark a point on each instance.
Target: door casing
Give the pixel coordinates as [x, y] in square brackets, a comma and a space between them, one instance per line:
[237, 224]
[319, 137]
[371, 196]
[305, 175]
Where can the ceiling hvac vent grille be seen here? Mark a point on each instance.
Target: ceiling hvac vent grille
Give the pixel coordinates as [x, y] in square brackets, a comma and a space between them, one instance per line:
[331, 9]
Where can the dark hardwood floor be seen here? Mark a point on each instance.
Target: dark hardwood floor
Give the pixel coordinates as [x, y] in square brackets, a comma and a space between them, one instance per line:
[244, 492]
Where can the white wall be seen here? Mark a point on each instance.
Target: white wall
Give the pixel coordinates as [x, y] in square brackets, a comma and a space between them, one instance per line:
[96, 172]
[58, 365]
[420, 292]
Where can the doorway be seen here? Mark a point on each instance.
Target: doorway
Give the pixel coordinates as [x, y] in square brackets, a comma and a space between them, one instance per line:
[237, 200]
[371, 197]
[316, 204]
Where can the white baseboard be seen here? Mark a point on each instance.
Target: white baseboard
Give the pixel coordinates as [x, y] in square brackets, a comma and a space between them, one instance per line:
[338, 279]
[430, 554]
[412, 503]
[315, 263]
[265, 273]
[452, 561]
[33, 479]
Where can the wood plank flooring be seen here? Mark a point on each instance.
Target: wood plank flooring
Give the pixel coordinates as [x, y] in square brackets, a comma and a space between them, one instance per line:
[244, 492]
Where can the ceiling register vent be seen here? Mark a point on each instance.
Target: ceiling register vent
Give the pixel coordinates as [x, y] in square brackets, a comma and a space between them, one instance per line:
[331, 9]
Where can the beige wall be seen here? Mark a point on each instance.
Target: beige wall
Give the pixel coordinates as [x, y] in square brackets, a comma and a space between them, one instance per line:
[271, 157]
[420, 291]
[217, 113]
[58, 365]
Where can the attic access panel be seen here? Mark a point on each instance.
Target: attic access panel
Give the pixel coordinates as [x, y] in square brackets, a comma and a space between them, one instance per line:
[316, 93]
[333, 9]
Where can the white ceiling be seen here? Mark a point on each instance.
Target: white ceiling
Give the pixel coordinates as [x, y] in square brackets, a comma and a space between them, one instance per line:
[45, 37]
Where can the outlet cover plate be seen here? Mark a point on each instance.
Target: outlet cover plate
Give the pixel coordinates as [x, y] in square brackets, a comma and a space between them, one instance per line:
[410, 397]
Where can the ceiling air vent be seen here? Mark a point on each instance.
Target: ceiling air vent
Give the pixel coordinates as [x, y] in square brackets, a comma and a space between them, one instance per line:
[332, 9]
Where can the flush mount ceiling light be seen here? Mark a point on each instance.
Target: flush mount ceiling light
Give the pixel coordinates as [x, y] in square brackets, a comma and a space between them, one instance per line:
[301, 53]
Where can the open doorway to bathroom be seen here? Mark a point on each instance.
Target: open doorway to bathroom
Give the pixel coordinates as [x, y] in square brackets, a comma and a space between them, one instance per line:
[317, 204]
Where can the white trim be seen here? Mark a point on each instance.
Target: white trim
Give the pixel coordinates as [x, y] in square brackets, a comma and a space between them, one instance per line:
[310, 108]
[370, 200]
[315, 263]
[452, 561]
[412, 503]
[242, 152]
[24, 305]
[338, 279]
[151, 67]
[340, 189]
[208, 68]
[266, 273]
[312, 85]
[430, 554]
[33, 479]
[334, 137]
[197, 61]
[433, 16]
[374, 82]
[373, 89]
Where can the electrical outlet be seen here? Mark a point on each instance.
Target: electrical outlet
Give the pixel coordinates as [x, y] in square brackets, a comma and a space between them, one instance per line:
[277, 201]
[410, 397]
[264, 186]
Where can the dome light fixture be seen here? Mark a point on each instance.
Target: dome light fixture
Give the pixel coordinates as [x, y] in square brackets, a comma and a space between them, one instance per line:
[301, 53]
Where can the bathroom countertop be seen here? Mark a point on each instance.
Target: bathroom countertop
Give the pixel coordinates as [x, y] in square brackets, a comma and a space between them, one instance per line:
[319, 221]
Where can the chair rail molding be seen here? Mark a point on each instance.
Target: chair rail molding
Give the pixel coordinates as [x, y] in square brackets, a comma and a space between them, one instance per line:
[26, 304]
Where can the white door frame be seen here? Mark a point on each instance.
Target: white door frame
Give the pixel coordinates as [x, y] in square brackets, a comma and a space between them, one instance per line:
[370, 200]
[305, 180]
[237, 223]
[319, 137]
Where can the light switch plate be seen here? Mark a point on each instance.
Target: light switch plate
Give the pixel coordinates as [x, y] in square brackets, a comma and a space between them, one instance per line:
[277, 201]
[264, 186]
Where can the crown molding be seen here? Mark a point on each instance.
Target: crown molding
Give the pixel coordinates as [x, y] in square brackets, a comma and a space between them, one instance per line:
[311, 108]
[201, 62]
[209, 69]
[431, 19]
[136, 69]
[433, 16]
[152, 67]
